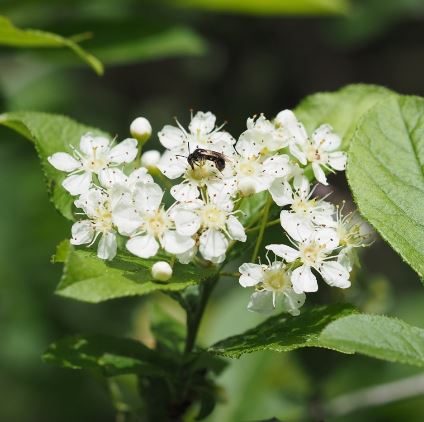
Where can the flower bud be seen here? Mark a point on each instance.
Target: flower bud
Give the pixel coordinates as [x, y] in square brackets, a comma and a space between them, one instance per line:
[246, 187]
[161, 271]
[141, 129]
[150, 158]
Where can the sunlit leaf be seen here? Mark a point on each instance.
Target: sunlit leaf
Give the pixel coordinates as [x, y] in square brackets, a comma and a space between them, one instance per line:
[12, 36]
[386, 174]
[90, 279]
[337, 327]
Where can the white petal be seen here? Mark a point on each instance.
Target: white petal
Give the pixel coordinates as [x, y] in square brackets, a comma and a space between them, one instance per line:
[298, 153]
[64, 162]
[176, 244]
[124, 152]
[292, 301]
[337, 160]
[90, 201]
[281, 192]
[287, 120]
[202, 122]
[261, 302]
[111, 176]
[150, 158]
[171, 137]
[334, 274]
[319, 173]
[126, 218]
[187, 221]
[139, 175]
[187, 257]
[77, 183]
[220, 190]
[89, 143]
[82, 232]
[213, 244]
[223, 138]
[327, 237]
[236, 229]
[301, 186]
[325, 138]
[185, 192]
[251, 274]
[147, 197]
[249, 144]
[277, 166]
[303, 280]
[172, 166]
[107, 246]
[297, 226]
[143, 246]
[283, 251]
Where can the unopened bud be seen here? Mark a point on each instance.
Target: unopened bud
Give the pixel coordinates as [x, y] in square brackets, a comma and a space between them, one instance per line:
[141, 129]
[161, 271]
[246, 187]
[150, 158]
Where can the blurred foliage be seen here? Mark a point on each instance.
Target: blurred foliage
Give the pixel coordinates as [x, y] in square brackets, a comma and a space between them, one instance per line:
[250, 65]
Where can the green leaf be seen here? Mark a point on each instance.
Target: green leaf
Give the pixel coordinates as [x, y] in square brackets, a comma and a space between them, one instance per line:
[12, 36]
[386, 174]
[269, 7]
[50, 133]
[342, 109]
[109, 355]
[90, 279]
[337, 327]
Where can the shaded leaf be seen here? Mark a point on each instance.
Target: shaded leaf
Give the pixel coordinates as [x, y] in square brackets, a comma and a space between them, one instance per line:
[337, 327]
[90, 279]
[50, 133]
[342, 109]
[12, 36]
[386, 174]
[109, 355]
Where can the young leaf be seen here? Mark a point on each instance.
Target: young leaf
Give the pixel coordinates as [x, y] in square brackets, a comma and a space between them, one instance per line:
[342, 109]
[337, 327]
[109, 355]
[12, 36]
[50, 133]
[386, 174]
[90, 279]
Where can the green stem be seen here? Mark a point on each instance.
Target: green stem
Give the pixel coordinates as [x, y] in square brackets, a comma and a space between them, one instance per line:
[193, 321]
[271, 223]
[262, 228]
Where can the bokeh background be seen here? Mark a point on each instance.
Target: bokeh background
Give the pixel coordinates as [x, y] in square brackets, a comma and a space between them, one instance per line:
[161, 61]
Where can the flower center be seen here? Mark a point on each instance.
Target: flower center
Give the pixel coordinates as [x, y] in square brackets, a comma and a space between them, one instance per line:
[157, 222]
[95, 162]
[275, 280]
[103, 220]
[213, 217]
[313, 153]
[301, 205]
[311, 254]
[248, 167]
[202, 170]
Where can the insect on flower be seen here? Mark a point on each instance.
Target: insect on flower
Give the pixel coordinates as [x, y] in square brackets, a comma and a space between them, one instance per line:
[200, 155]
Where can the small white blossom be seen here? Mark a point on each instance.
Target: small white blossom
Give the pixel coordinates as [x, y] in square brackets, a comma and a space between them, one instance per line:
[150, 158]
[214, 223]
[270, 281]
[96, 155]
[322, 152]
[161, 271]
[97, 206]
[315, 253]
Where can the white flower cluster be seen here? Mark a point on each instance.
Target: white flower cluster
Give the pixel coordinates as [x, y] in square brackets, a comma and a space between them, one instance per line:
[213, 172]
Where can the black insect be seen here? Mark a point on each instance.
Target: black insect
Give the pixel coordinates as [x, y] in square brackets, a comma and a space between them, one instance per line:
[200, 155]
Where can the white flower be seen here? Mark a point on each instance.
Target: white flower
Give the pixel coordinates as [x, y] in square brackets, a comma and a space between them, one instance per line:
[321, 151]
[202, 133]
[139, 214]
[293, 132]
[306, 213]
[97, 206]
[314, 253]
[96, 156]
[214, 221]
[270, 281]
[141, 129]
[161, 271]
[254, 172]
